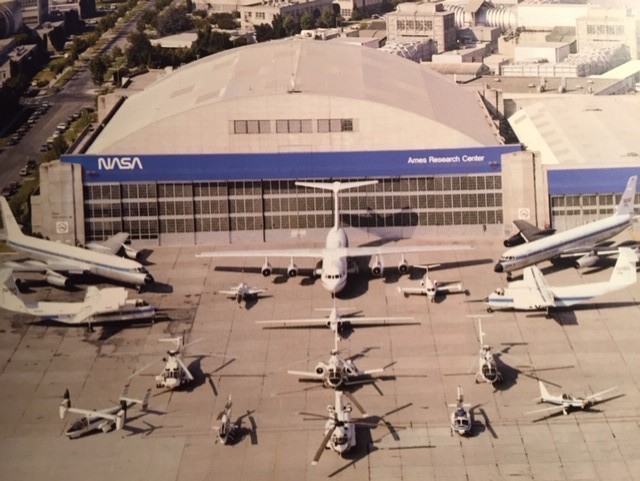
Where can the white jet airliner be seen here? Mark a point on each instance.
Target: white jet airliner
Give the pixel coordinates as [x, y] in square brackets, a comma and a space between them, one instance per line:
[336, 252]
[51, 258]
[579, 242]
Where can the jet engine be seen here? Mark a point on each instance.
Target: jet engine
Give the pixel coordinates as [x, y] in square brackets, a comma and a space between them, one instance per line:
[377, 267]
[403, 266]
[320, 369]
[57, 280]
[131, 253]
[586, 260]
[292, 270]
[266, 269]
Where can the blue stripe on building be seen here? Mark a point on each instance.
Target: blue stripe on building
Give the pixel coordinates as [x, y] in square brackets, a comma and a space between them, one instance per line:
[589, 181]
[321, 165]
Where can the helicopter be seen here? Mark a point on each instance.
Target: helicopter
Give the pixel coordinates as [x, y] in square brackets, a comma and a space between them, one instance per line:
[225, 428]
[461, 418]
[340, 428]
[487, 370]
[337, 372]
[566, 402]
[104, 419]
[175, 372]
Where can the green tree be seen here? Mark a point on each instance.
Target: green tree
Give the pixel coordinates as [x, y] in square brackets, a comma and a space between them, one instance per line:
[139, 52]
[306, 21]
[174, 20]
[290, 26]
[278, 27]
[98, 67]
[264, 32]
[328, 18]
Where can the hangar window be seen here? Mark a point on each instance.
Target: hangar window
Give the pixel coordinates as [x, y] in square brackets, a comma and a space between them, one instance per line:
[429, 25]
[293, 126]
[591, 29]
[335, 125]
[401, 25]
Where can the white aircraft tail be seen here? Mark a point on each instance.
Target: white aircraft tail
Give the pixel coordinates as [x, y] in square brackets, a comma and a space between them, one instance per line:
[544, 394]
[624, 272]
[9, 300]
[626, 205]
[336, 187]
[11, 228]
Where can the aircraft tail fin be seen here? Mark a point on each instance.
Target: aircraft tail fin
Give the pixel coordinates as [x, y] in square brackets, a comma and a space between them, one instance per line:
[336, 187]
[544, 394]
[626, 205]
[624, 272]
[9, 299]
[11, 227]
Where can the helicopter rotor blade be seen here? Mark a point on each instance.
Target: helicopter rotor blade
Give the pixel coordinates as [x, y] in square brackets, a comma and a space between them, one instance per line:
[323, 445]
[355, 403]
[184, 368]
[144, 368]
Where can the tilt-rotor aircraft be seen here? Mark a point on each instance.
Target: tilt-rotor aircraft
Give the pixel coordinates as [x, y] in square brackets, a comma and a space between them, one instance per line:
[579, 242]
[51, 258]
[336, 252]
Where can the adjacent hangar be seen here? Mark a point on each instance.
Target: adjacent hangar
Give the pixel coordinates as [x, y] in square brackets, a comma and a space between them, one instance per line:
[211, 151]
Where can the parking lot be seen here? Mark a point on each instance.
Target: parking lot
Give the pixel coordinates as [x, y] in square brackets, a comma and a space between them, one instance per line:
[582, 351]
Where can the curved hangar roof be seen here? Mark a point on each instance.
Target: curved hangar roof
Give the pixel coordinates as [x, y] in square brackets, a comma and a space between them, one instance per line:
[394, 104]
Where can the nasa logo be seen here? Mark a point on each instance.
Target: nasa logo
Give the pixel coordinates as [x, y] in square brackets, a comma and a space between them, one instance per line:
[120, 163]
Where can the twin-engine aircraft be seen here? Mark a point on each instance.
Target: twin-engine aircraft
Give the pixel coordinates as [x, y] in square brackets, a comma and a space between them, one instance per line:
[51, 258]
[111, 304]
[532, 245]
[534, 293]
[432, 288]
[566, 402]
[242, 292]
[336, 252]
[104, 419]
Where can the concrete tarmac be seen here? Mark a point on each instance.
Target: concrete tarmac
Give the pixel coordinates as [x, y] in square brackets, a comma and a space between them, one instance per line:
[580, 351]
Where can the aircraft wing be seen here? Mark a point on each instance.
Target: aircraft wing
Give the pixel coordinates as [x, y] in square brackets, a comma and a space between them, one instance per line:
[112, 245]
[530, 232]
[412, 290]
[252, 291]
[594, 397]
[344, 251]
[385, 249]
[452, 287]
[539, 292]
[229, 292]
[325, 321]
[545, 410]
[310, 252]
[97, 301]
[90, 414]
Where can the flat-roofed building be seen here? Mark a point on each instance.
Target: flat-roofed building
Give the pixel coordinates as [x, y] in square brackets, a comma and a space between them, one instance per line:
[422, 21]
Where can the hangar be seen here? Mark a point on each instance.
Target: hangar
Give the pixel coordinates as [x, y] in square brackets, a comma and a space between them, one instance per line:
[210, 151]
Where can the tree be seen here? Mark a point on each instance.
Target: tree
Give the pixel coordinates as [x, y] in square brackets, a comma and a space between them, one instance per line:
[210, 42]
[278, 27]
[264, 32]
[290, 26]
[98, 68]
[328, 18]
[306, 21]
[174, 20]
[139, 52]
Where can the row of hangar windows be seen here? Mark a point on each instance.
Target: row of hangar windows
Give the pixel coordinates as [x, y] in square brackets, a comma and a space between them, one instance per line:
[148, 210]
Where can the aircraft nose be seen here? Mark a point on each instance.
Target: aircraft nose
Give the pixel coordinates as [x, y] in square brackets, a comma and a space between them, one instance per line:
[498, 268]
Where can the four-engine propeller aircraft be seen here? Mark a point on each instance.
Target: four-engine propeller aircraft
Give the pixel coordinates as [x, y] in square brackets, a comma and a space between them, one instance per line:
[338, 372]
[579, 242]
[105, 419]
[431, 287]
[341, 325]
[109, 304]
[336, 253]
[242, 292]
[534, 293]
[51, 258]
[566, 402]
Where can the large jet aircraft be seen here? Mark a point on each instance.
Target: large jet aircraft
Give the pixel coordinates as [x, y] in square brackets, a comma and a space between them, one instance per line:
[533, 293]
[336, 253]
[51, 258]
[100, 305]
[579, 242]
